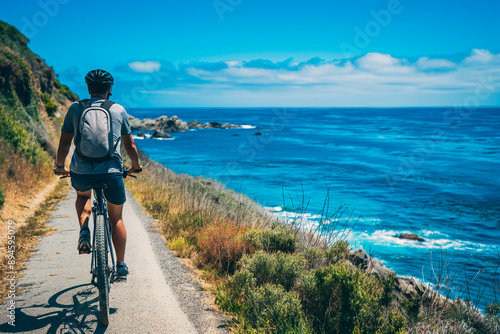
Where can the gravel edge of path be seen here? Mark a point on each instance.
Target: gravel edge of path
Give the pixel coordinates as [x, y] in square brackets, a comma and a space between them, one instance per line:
[190, 296]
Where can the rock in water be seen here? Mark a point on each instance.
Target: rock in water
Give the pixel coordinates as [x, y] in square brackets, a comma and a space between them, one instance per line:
[258, 133]
[174, 124]
[160, 134]
[411, 236]
[140, 134]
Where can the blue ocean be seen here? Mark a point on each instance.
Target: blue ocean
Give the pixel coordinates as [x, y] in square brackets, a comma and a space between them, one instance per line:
[429, 171]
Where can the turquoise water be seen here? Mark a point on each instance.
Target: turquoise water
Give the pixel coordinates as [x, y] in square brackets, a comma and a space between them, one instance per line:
[429, 171]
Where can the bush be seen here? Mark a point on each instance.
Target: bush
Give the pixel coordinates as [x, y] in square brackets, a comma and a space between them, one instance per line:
[63, 89]
[14, 134]
[50, 106]
[279, 239]
[230, 294]
[317, 258]
[276, 268]
[412, 307]
[268, 308]
[338, 252]
[341, 300]
[222, 245]
[492, 310]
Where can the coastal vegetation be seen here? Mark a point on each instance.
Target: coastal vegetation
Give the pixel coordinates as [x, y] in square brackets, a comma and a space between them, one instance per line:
[31, 104]
[273, 277]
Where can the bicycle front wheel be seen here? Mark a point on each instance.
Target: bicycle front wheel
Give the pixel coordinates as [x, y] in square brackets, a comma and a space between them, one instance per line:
[103, 275]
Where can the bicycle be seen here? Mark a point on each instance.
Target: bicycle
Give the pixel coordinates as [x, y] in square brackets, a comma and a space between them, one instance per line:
[103, 275]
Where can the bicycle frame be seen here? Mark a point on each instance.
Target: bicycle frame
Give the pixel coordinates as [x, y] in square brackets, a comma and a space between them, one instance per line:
[99, 207]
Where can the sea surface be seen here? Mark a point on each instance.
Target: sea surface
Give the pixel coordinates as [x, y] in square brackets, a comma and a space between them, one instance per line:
[429, 171]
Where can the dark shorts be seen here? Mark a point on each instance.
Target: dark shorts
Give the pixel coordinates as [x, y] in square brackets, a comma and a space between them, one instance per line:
[114, 193]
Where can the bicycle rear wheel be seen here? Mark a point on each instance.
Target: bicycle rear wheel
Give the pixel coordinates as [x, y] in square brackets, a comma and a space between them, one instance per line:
[102, 268]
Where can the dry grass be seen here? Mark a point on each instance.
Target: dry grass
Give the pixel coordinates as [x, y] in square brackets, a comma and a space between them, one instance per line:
[27, 232]
[182, 203]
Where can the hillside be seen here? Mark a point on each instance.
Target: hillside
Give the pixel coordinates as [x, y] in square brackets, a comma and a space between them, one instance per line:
[32, 105]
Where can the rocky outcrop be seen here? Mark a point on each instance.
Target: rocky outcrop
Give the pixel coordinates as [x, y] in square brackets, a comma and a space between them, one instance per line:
[405, 287]
[411, 236]
[160, 134]
[365, 262]
[174, 124]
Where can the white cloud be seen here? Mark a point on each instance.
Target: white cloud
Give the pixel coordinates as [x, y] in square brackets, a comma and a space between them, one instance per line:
[480, 56]
[145, 66]
[375, 60]
[374, 79]
[425, 63]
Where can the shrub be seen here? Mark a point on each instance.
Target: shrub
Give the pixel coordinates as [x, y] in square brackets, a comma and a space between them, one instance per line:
[279, 239]
[268, 308]
[276, 310]
[412, 307]
[338, 252]
[315, 258]
[15, 135]
[63, 89]
[50, 106]
[222, 245]
[493, 309]
[230, 294]
[464, 312]
[276, 268]
[342, 300]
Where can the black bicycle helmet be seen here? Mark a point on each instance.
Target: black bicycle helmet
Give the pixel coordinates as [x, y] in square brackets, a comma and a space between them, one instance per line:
[99, 77]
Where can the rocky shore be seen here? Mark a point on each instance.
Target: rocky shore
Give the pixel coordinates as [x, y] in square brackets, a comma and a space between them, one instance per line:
[174, 124]
[405, 287]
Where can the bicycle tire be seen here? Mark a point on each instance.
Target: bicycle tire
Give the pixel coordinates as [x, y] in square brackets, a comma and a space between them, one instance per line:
[102, 268]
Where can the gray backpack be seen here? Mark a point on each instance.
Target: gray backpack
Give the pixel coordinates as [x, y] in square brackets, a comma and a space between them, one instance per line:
[94, 134]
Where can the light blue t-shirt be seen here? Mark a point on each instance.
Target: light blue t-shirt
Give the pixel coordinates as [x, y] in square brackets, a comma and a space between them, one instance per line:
[121, 127]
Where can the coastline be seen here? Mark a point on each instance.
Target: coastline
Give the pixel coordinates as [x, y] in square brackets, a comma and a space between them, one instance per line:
[404, 289]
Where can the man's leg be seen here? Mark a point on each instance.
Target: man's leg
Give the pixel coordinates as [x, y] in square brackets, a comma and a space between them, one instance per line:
[83, 210]
[83, 207]
[117, 230]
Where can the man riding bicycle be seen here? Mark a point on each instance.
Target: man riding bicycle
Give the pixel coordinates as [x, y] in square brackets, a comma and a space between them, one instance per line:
[86, 169]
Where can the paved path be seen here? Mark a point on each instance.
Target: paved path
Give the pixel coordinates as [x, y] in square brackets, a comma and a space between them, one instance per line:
[159, 297]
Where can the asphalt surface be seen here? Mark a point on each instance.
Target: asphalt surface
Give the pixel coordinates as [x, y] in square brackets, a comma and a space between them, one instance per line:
[160, 295]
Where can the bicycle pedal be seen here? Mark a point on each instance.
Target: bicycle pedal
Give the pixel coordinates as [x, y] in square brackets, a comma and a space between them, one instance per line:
[84, 249]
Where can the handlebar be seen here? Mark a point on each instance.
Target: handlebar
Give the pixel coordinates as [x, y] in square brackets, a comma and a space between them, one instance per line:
[125, 173]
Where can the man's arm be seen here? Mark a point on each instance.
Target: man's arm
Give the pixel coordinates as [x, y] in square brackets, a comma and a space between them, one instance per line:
[62, 152]
[129, 144]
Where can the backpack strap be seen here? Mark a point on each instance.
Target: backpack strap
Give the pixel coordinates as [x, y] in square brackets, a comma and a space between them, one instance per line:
[83, 103]
[107, 104]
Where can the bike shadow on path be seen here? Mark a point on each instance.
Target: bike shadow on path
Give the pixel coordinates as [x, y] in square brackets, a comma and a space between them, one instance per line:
[75, 312]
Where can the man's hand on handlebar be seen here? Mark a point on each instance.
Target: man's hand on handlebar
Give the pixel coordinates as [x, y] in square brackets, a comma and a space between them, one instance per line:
[61, 171]
[135, 169]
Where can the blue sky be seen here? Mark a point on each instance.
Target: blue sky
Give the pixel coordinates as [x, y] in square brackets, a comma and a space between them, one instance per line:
[207, 53]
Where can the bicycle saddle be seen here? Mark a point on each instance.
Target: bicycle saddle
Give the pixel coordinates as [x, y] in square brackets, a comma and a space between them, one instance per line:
[98, 186]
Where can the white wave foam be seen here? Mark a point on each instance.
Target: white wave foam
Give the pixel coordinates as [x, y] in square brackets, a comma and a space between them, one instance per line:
[248, 127]
[388, 238]
[137, 137]
[162, 138]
